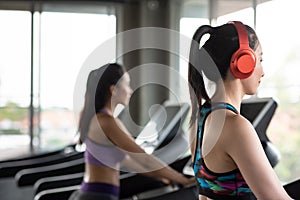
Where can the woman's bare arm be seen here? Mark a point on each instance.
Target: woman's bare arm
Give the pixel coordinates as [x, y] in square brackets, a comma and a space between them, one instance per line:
[118, 135]
[244, 147]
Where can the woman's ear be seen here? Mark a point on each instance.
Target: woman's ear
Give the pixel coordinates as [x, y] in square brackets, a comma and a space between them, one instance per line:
[229, 75]
[112, 89]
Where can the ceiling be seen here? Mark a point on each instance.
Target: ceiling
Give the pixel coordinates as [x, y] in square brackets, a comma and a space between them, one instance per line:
[218, 8]
[190, 8]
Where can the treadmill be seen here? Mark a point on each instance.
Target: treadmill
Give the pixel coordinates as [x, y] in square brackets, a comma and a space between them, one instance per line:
[168, 135]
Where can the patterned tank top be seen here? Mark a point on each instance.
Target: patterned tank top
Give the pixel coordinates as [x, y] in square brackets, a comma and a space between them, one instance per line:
[228, 185]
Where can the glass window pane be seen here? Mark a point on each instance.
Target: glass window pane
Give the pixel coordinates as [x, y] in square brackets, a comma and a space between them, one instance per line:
[245, 15]
[15, 48]
[66, 41]
[280, 43]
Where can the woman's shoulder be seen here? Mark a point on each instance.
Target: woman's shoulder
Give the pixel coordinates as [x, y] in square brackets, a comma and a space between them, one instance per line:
[109, 123]
[238, 119]
[104, 120]
[238, 126]
[101, 124]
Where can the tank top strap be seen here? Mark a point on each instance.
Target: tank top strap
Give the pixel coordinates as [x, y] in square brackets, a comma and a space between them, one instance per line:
[221, 105]
[104, 111]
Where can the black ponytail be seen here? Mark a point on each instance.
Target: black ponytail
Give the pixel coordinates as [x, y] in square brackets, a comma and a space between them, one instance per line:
[195, 73]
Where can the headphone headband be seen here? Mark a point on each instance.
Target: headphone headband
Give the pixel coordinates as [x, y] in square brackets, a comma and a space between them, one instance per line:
[242, 33]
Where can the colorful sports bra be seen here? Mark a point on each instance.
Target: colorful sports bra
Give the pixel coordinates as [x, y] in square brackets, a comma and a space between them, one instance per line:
[102, 155]
[228, 185]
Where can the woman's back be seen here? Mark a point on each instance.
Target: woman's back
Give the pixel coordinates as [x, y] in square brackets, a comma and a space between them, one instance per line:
[102, 157]
[216, 172]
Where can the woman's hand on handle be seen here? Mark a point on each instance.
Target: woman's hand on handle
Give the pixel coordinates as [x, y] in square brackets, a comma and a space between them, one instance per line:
[185, 182]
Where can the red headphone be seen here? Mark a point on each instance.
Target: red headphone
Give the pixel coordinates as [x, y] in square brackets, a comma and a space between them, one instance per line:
[243, 61]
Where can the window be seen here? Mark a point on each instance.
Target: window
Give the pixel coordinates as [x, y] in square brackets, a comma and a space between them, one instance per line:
[15, 80]
[245, 15]
[67, 39]
[280, 42]
[61, 43]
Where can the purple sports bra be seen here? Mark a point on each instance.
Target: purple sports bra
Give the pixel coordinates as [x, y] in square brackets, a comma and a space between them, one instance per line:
[103, 155]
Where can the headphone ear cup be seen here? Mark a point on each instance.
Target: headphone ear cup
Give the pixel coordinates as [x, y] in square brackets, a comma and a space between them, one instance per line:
[242, 63]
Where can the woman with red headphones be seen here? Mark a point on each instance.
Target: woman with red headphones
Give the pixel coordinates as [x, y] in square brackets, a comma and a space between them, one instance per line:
[228, 159]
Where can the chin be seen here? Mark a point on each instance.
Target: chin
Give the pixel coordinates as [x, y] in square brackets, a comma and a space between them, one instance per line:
[125, 103]
[251, 92]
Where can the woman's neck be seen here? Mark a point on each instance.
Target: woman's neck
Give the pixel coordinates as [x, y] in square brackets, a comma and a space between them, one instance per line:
[109, 107]
[229, 92]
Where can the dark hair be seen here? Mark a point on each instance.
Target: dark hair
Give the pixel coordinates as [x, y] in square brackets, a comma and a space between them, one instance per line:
[97, 93]
[216, 51]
